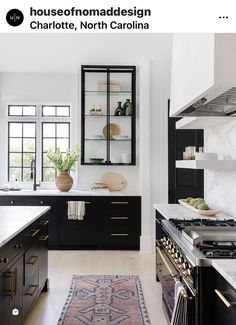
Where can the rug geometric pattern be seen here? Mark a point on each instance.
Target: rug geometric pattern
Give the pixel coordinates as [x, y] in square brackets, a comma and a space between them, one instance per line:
[105, 300]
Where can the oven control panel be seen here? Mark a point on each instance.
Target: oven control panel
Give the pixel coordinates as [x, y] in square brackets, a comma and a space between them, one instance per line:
[177, 258]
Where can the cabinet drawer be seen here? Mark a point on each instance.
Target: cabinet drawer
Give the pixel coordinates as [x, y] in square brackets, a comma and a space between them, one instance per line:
[10, 250]
[121, 239]
[32, 259]
[31, 290]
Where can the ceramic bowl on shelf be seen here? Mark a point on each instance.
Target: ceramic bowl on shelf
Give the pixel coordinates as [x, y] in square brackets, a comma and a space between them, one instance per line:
[96, 160]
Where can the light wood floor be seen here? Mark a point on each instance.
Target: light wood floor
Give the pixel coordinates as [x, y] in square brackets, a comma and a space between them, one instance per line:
[63, 264]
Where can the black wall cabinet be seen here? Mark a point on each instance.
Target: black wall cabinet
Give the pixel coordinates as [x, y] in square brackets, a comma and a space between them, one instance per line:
[108, 119]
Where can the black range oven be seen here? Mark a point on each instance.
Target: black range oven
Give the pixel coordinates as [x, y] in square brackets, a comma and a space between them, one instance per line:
[172, 268]
[184, 252]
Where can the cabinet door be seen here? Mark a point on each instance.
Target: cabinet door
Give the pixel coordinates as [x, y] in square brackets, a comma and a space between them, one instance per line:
[94, 116]
[11, 302]
[84, 232]
[223, 292]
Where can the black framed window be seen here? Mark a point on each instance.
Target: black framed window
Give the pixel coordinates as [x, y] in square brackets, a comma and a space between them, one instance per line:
[22, 110]
[22, 149]
[56, 111]
[54, 135]
[32, 130]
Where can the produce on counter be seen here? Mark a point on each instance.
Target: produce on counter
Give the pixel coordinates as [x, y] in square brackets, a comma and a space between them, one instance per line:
[198, 203]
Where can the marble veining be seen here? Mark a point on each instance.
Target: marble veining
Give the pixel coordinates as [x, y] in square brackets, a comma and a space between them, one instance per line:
[227, 268]
[15, 219]
[219, 186]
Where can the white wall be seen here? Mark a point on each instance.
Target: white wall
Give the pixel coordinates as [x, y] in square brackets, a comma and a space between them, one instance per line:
[220, 189]
[149, 52]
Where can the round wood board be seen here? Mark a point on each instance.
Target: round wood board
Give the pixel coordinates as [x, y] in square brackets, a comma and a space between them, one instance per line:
[114, 181]
[114, 130]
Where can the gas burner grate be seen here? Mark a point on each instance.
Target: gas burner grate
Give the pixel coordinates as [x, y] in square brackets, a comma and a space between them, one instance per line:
[180, 224]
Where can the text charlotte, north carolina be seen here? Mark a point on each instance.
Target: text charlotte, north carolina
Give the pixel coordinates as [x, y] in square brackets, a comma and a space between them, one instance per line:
[62, 19]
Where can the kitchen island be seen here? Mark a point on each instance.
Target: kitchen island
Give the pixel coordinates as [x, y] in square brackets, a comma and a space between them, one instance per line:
[23, 260]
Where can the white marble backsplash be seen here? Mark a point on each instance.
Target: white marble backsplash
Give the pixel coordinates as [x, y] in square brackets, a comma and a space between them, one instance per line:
[220, 185]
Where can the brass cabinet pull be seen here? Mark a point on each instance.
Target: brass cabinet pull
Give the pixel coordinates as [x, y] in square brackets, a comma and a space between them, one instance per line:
[86, 202]
[3, 259]
[158, 221]
[29, 292]
[12, 276]
[44, 222]
[119, 218]
[43, 238]
[119, 235]
[34, 232]
[119, 202]
[14, 282]
[33, 259]
[18, 246]
[222, 297]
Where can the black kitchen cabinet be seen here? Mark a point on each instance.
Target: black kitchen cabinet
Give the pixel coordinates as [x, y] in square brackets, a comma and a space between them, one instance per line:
[11, 300]
[53, 226]
[109, 223]
[223, 303]
[23, 272]
[121, 222]
[83, 233]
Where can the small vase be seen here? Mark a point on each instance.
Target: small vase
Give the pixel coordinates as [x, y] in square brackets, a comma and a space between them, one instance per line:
[128, 107]
[119, 110]
[64, 182]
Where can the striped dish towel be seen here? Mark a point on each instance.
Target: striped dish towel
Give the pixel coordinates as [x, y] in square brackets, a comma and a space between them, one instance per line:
[76, 210]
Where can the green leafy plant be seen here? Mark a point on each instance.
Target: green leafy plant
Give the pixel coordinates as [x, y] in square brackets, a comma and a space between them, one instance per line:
[63, 162]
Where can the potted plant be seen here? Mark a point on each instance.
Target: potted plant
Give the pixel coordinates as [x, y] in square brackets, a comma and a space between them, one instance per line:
[63, 163]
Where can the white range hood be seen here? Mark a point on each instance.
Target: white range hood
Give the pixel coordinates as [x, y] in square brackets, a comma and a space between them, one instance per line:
[203, 80]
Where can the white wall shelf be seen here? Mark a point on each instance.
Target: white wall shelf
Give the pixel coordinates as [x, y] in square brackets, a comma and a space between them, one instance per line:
[202, 122]
[206, 164]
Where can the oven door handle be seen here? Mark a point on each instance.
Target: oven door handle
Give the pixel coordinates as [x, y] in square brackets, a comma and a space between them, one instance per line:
[174, 276]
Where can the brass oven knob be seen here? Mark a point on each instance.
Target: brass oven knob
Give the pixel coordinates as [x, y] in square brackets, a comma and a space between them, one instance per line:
[181, 259]
[184, 266]
[177, 254]
[173, 251]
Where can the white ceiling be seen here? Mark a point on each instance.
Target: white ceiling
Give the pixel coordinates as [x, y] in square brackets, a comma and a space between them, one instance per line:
[66, 52]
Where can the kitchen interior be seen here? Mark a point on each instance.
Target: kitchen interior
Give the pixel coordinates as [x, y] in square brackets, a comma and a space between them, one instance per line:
[151, 183]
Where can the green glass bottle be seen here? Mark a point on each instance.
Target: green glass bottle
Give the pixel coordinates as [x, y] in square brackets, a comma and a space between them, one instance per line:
[128, 107]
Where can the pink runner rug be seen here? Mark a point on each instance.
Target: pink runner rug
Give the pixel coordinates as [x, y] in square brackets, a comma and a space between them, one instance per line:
[105, 300]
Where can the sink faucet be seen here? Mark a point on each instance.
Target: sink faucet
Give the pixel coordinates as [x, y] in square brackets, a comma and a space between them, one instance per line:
[33, 174]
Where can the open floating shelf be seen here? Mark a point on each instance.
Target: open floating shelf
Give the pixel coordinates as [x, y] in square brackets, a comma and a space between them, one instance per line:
[202, 122]
[206, 164]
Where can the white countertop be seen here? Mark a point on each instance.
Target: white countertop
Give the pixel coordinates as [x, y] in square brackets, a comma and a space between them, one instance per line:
[180, 212]
[15, 219]
[227, 268]
[70, 193]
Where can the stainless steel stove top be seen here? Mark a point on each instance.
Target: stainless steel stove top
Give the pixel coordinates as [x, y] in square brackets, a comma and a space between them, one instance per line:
[203, 239]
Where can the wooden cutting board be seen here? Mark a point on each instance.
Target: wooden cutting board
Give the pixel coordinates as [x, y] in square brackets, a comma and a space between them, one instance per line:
[114, 181]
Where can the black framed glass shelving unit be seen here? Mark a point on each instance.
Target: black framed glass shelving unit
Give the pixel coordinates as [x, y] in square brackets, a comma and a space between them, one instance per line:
[108, 115]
